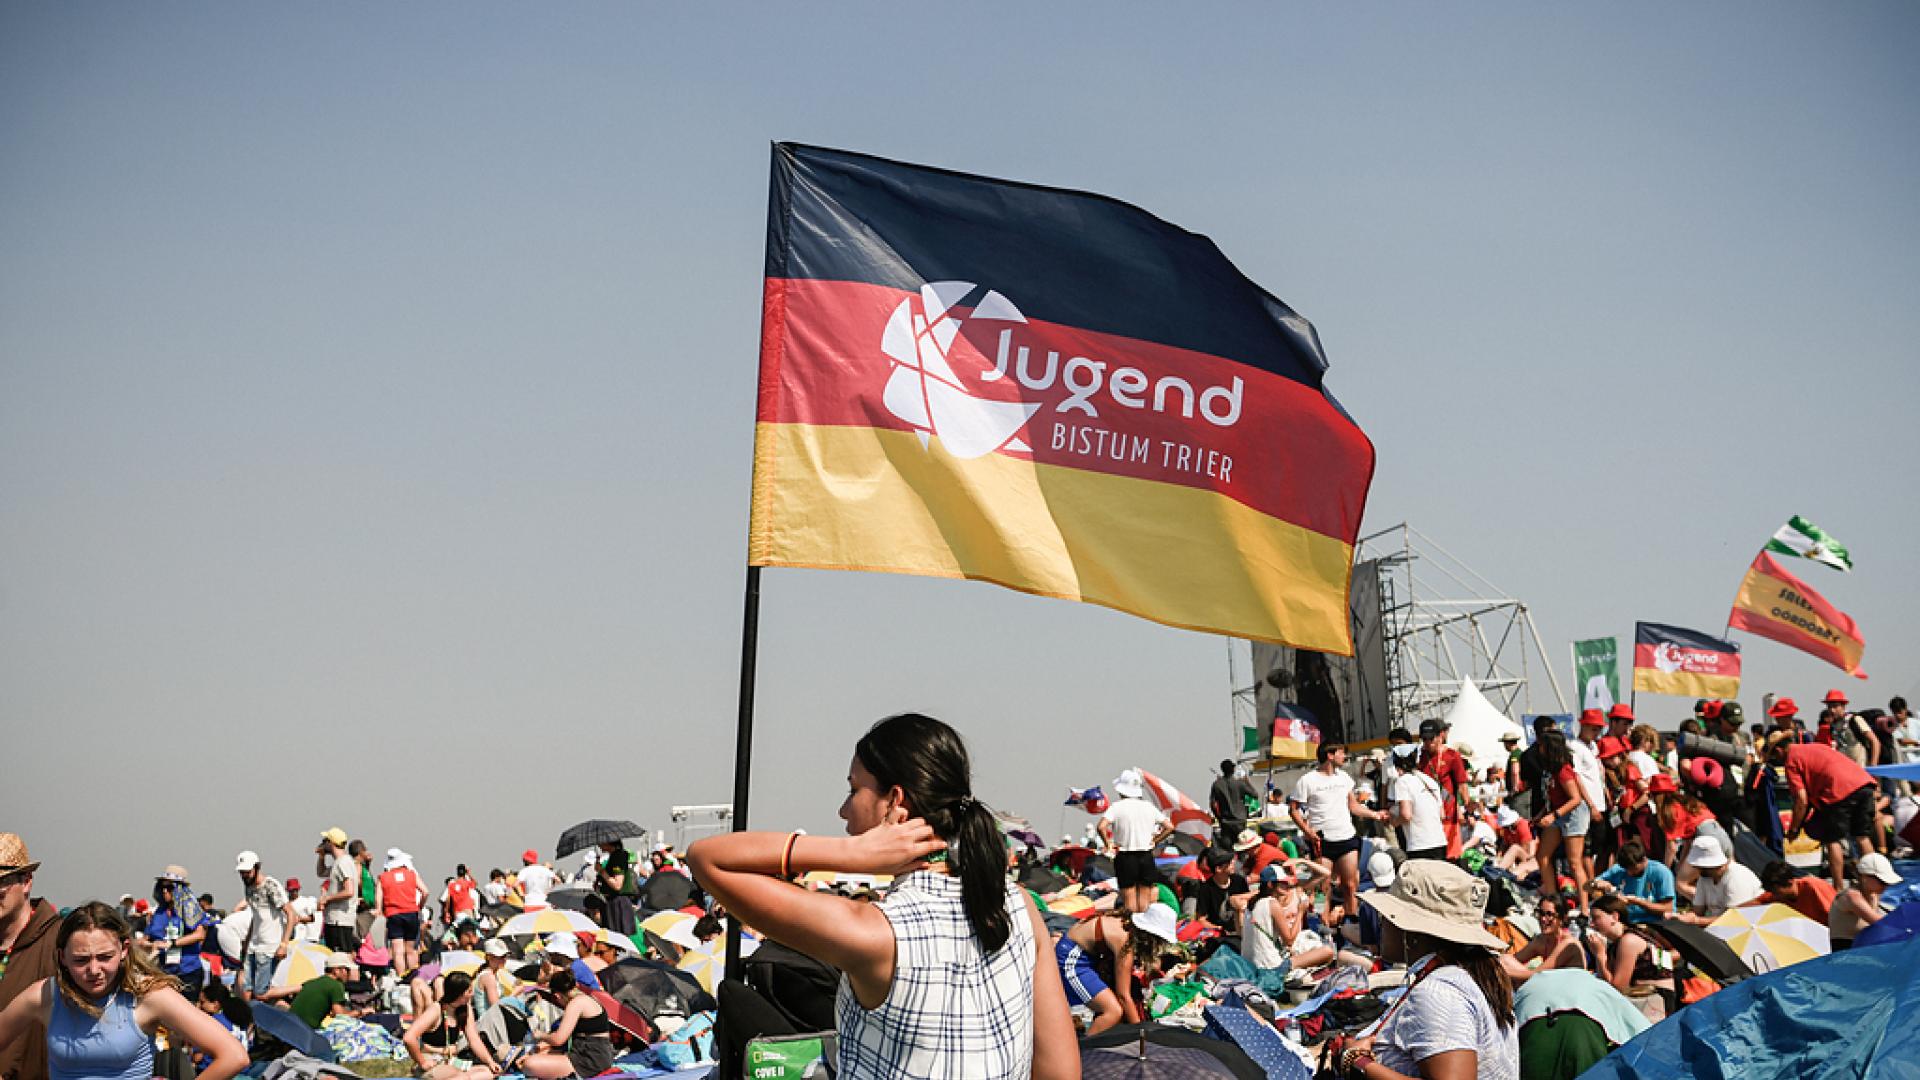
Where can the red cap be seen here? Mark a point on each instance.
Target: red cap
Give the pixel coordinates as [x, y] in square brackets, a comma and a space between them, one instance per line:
[1783, 707]
[1834, 697]
[529, 856]
[1621, 711]
[1662, 784]
[1611, 747]
[1712, 709]
[140, 906]
[1592, 718]
[293, 883]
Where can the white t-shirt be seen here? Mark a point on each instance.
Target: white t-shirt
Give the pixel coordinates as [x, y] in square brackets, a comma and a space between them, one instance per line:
[494, 891]
[1421, 793]
[1134, 823]
[1446, 1011]
[1586, 766]
[1713, 898]
[343, 874]
[1260, 939]
[1323, 799]
[1643, 762]
[535, 881]
[310, 908]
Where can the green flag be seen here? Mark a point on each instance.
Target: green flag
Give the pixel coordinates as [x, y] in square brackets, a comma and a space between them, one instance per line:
[1250, 740]
[1596, 672]
[1809, 541]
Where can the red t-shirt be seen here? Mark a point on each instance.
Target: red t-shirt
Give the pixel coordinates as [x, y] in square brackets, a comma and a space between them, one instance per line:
[1825, 774]
[1810, 896]
[1263, 856]
[399, 892]
[462, 895]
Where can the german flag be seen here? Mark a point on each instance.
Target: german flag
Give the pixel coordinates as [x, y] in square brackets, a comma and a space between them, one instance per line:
[1046, 389]
[1777, 605]
[1673, 660]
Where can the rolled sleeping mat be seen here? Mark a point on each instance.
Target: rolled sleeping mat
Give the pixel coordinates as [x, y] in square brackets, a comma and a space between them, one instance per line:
[1720, 750]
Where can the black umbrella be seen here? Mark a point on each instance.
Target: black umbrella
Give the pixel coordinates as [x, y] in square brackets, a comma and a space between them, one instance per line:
[1705, 952]
[666, 890]
[654, 988]
[1141, 1060]
[291, 1030]
[572, 898]
[594, 833]
[1234, 1061]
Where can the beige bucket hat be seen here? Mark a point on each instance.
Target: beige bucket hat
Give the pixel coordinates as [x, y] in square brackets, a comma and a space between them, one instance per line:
[1439, 900]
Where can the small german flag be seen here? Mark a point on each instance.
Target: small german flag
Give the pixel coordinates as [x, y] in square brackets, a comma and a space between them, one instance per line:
[1673, 660]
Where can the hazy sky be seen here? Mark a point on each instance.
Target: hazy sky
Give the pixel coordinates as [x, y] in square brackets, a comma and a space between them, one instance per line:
[376, 382]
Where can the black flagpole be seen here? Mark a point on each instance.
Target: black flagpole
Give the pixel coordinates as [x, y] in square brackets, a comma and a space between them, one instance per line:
[729, 1065]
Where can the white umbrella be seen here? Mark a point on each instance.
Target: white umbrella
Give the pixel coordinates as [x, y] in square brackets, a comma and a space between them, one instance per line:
[547, 921]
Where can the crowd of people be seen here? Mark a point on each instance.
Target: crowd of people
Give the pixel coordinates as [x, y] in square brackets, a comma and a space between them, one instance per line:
[1391, 863]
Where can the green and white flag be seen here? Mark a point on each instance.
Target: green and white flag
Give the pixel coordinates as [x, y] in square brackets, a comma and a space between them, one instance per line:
[1805, 539]
[1596, 672]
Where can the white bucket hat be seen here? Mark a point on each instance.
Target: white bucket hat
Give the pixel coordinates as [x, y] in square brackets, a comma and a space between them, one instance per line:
[1129, 785]
[1439, 900]
[1706, 853]
[1160, 921]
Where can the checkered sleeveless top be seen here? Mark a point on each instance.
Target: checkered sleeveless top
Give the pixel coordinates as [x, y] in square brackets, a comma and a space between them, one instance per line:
[953, 1011]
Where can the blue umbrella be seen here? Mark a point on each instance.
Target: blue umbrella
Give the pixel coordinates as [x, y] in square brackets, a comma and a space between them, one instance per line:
[291, 1030]
[1849, 1014]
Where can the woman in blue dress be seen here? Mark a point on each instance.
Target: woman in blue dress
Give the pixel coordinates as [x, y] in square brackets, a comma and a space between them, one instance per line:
[103, 1008]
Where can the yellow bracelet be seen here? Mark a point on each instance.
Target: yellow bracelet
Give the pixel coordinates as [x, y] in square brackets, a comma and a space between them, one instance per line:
[786, 857]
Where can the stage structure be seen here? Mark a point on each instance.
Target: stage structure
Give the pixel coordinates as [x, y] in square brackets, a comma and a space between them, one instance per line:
[1423, 621]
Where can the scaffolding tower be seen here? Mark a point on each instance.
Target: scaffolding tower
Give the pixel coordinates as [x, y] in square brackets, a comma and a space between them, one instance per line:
[1444, 623]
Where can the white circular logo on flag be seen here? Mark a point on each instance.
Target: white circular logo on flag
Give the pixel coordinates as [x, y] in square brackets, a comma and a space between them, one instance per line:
[922, 388]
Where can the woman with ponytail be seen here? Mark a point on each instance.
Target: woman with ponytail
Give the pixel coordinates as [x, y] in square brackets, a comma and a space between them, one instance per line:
[953, 975]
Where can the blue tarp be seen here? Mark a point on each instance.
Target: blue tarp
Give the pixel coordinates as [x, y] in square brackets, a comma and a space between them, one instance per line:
[1907, 771]
[1850, 1014]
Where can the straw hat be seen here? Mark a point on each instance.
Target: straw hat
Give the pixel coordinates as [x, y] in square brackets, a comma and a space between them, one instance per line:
[14, 858]
[1439, 900]
[174, 874]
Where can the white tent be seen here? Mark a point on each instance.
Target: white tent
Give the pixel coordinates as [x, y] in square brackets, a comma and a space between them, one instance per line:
[1475, 727]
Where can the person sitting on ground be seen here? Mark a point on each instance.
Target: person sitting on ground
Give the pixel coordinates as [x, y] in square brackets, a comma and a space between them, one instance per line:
[1098, 956]
[1630, 958]
[1723, 882]
[444, 1040]
[99, 1011]
[1276, 939]
[1645, 885]
[493, 982]
[581, 1042]
[322, 996]
[1808, 894]
[1220, 899]
[1557, 945]
[1859, 906]
[1517, 844]
[1456, 1019]
[232, 1014]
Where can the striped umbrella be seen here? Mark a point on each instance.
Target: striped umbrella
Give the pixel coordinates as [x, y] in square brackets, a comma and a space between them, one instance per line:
[675, 927]
[304, 961]
[1770, 936]
[706, 962]
[461, 960]
[547, 921]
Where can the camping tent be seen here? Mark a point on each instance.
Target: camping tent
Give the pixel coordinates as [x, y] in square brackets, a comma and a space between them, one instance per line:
[1848, 1014]
[1475, 726]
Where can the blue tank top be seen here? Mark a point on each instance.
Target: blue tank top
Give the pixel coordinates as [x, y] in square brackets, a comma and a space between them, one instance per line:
[110, 1048]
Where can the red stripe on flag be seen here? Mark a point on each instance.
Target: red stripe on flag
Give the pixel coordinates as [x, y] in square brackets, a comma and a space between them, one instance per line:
[1681, 659]
[1105, 403]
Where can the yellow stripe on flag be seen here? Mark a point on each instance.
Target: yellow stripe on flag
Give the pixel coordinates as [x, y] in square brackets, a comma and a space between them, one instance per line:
[855, 498]
[1685, 684]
